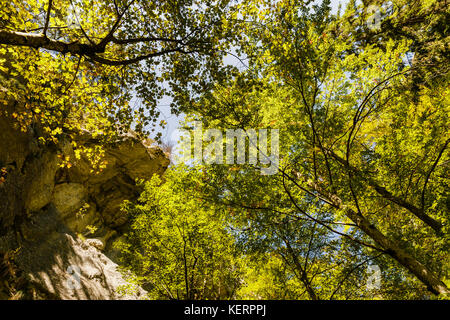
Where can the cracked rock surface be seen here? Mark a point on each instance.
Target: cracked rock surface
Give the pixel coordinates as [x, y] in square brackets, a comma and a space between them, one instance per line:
[48, 213]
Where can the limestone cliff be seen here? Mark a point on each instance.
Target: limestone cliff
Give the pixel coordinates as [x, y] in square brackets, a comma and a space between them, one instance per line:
[56, 222]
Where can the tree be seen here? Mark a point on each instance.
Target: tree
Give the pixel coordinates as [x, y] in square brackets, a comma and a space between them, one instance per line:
[421, 22]
[363, 120]
[355, 143]
[178, 247]
[104, 65]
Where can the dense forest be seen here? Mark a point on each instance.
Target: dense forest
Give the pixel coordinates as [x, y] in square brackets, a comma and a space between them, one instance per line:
[349, 106]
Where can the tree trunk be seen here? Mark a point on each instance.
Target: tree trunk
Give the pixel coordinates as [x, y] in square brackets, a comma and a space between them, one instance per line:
[400, 255]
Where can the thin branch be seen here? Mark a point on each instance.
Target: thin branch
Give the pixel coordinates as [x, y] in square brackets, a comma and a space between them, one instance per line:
[360, 108]
[431, 171]
[109, 62]
[324, 225]
[309, 246]
[79, 24]
[418, 212]
[350, 272]
[74, 76]
[47, 19]
[110, 34]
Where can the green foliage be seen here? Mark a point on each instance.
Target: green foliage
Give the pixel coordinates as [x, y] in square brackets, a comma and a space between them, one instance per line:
[177, 247]
[363, 120]
[102, 66]
[363, 158]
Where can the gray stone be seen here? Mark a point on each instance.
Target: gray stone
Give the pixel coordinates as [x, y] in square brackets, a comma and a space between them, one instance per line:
[46, 210]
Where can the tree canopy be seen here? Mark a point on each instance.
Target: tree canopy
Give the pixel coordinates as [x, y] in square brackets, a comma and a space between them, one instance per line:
[362, 112]
[106, 64]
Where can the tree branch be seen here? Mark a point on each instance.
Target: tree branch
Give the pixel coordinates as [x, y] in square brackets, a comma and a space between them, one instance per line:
[390, 247]
[431, 171]
[89, 50]
[323, 224]
[47, 19]
[32, 40]
[109, 62]
[418, 212]
[110, 34]
[349, 273]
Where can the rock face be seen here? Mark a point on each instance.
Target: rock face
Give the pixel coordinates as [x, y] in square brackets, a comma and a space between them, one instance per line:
[60, 222]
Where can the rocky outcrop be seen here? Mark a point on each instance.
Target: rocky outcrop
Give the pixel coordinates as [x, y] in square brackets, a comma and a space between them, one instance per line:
[61, 222]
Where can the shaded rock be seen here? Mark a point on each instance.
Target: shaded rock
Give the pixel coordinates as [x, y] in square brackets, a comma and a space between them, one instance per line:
[67, 269]
[44, 207]
[83, 219]
[42, 169]
[69, 198]
[14, 144]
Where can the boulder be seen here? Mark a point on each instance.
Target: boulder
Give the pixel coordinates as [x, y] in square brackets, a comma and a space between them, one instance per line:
[65, 220]
[42, 169]
[69, 198]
